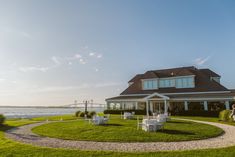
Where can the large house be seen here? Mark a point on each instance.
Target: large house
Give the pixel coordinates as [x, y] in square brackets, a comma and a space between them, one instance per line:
[174, 90]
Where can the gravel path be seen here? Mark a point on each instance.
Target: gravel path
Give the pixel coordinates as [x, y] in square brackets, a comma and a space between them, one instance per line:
[25, 135]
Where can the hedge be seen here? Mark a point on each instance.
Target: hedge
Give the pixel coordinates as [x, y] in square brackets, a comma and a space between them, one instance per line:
[2, 119]
[89, 114]
[138, 112]
[196, 113]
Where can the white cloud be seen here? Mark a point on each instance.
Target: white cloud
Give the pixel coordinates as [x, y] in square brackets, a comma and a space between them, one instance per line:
[96, 69]
[201, 61]
[82, 61]
[55, 60]
[34, 68]
[77, 56]
[67, 88]
[99, 56]
[91, 54]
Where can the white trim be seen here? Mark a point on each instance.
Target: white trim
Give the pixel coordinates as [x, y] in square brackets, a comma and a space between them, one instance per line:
[149, 79]
[135, 94]
[214, 92]
[125, 100]
[200, 99]
[170, 77]
[157, 94]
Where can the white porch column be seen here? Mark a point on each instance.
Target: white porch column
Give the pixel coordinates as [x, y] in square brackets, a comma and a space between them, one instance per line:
[147, 108]
[205, 105]
[122, 105]
[165, 107]
[108, 105]
[227, 105]
[185, 105]
[151, 106]
[136, 105]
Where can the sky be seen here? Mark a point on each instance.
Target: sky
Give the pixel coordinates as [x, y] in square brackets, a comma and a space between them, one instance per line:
[54, 52]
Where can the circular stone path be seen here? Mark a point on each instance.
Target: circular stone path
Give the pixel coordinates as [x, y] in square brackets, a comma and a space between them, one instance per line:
[25, 135]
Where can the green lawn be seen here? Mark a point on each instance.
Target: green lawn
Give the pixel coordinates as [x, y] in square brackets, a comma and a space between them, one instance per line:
[119, 130]
[9, 148]
[56, 118]
[209, 119]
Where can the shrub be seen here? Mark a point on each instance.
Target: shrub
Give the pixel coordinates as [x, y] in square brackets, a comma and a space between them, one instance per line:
[91, 114]
[81, 114]
[2, 119]
[196, 113]
[137, 112]
[225, 115]
[77, 113]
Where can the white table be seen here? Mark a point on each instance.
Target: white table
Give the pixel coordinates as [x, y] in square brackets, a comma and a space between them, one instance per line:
[151, 125]
[98, 120]
[127, 115]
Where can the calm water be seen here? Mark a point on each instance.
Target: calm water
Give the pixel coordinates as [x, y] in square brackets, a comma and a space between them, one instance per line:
[29, 112]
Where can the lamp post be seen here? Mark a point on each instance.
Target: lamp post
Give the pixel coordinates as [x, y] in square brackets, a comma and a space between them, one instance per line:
[86, 104]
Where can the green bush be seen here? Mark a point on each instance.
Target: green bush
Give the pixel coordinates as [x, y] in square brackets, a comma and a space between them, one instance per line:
[225, 115]
[81, 114]
[91, 114]
[196, 113]
[2, 119]
[77, 113]
[137, 112]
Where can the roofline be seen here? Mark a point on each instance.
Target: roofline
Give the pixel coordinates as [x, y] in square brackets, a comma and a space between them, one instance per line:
[211, 92]
[174, 99]
[174, 68]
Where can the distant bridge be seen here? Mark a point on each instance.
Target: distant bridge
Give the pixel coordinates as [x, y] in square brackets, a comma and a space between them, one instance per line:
[89, 105]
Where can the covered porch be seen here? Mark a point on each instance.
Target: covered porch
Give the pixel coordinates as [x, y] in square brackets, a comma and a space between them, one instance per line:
[159, 103]
[154, 103]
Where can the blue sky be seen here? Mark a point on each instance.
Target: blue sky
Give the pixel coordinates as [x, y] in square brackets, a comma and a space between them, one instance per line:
[54, 52]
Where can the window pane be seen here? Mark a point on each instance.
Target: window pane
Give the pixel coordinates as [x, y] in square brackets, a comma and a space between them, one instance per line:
[154, 84]
[185, 81]
[161, 83]
[179, 83]
[145, 85]
[150, 85]
[172, 83]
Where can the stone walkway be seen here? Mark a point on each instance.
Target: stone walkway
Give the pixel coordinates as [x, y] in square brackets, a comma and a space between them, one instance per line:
[24, 134]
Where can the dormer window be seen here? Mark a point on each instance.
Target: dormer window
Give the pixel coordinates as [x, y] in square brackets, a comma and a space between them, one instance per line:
[150, 84]
[185, 82]
[166, 83]
[216, 79]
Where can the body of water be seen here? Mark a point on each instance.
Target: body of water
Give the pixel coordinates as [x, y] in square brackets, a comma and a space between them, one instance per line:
[29, 112]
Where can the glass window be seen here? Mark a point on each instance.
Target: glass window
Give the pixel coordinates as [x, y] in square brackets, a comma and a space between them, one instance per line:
[154, 84]
[150, 84]
[145, 84]
[161, 83]
[164, 83]
[187, 82]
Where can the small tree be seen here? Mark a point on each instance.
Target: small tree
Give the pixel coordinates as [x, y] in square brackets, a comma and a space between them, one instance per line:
[77, 113]
[2, 119]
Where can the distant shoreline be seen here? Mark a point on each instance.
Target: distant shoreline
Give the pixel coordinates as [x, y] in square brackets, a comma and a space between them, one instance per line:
[94, 106]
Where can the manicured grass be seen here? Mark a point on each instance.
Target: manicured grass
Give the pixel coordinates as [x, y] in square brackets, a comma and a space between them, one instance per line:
[208, 119]
[119, 130]
[56, 118]
[9, 148]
